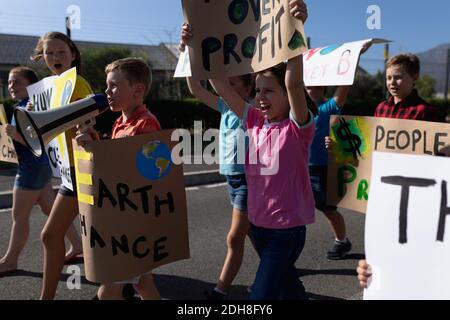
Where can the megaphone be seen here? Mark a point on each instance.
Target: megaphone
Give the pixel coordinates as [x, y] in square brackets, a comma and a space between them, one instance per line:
[39, 128]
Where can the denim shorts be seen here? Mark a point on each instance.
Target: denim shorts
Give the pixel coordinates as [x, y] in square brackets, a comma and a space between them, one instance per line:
[64, 191]
[32, 176]
[318, 176]
[237, 190]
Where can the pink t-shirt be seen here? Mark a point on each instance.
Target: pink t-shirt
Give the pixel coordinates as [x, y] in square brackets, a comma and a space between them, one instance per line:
[279, 189]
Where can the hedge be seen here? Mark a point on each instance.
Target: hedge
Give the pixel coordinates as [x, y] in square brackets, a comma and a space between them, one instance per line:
[183, 113]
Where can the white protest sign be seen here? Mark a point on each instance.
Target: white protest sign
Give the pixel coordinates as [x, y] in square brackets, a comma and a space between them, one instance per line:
[183, 69]
[407, 239]
[333, 65]
[53, 92]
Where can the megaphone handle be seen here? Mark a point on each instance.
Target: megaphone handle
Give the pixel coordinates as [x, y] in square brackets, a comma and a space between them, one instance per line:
[85, 126]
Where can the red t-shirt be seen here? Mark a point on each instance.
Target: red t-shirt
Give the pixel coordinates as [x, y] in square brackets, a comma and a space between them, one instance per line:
[141, 121]
[412, 107]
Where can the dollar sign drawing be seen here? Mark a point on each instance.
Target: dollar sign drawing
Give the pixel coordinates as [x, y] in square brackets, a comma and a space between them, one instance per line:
[344, 133]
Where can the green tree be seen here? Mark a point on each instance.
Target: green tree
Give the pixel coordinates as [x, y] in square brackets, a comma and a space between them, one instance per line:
[94, 61]
[426, 86]
[367, 86]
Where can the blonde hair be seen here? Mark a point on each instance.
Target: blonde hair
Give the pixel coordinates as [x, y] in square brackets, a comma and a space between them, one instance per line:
[136, 70]
[39, 50]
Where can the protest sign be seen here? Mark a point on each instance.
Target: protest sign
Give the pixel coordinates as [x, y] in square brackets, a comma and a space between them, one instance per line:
[3, 118]
[49, 93]
[333, 65]
[235, 37]
[7, 151]
[132, 203]
[183, 68]
[354, 140]
[407, 236]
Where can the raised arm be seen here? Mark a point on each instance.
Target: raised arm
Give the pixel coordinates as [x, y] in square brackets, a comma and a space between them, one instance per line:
[341, 94]
[229, 95]
[294, 71]
[295, 89]
[198, 91]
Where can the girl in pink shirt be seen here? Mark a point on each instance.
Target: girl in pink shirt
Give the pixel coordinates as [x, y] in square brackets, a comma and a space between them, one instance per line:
[280, 199]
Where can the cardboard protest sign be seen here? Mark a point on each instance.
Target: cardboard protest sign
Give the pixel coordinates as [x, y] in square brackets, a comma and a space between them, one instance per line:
[3, 118]
[407, 236]
[354, 140]
[333, 65]
[7, 151]
[235, 37]
[49, 93]
[132, 204]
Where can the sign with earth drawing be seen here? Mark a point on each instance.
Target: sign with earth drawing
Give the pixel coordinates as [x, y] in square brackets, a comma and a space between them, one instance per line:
[132, 205]
[235, 37]
[354, 140]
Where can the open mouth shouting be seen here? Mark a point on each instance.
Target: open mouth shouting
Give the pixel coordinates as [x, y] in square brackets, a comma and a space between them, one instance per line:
[264, 108]
[58, 66]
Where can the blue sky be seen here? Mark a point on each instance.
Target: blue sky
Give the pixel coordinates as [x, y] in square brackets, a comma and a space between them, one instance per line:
[415, 26]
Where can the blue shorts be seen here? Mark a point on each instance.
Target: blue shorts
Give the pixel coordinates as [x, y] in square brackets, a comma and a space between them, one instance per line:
[32, 176]
[63, 190]
[237, 190]
[318, 176]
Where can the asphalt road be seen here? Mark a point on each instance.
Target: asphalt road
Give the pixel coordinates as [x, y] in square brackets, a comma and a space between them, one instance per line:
[209, 218]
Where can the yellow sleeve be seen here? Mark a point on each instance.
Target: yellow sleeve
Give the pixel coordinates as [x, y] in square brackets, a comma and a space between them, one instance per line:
[82, 89]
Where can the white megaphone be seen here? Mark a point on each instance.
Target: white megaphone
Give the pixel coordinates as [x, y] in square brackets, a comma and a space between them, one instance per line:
[39, 128]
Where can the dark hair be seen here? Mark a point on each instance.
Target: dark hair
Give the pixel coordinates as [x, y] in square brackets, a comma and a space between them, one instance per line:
[39, 50]
[279, 73]
[27, 73]
[136, 70]
[409, 61]
[249, 81]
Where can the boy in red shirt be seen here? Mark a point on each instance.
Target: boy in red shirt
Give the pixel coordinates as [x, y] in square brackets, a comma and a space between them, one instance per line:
[128, 83]
[402, 73]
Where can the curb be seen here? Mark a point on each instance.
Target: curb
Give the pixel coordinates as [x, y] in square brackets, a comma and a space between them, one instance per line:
[191, 179]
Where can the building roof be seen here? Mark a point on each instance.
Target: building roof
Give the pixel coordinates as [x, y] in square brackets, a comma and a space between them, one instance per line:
[17, 49]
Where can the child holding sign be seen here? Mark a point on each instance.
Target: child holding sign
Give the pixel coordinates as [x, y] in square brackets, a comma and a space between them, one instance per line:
[318, 163]
[232, 131]
[60, 54]
[33, 179]
[402, 72]
[280, 199]
[128, 83]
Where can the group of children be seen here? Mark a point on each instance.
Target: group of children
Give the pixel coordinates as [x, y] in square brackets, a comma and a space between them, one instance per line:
[273, 106]
[128, 83]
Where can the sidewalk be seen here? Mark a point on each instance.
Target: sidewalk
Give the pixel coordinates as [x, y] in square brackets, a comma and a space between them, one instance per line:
[194, 175]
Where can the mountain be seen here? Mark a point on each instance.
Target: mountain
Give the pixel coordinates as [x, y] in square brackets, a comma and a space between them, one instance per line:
[433, 62]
